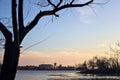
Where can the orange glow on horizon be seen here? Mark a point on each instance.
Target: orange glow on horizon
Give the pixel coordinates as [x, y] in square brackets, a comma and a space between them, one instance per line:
[64, 58]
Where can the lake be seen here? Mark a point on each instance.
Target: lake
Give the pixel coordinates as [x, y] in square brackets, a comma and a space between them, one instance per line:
[59, 75]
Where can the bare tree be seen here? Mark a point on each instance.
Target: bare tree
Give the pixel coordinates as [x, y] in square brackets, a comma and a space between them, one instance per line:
[14, 38]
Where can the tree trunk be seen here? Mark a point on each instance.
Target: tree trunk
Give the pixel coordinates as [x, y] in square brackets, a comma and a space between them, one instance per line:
[10, 62]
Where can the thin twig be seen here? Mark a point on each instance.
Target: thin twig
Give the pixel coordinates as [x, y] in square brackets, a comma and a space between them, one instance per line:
[35, 44]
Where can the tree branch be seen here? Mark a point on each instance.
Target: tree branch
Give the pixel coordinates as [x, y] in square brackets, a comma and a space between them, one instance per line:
[59, 3]
[20, 15]
[20, 20]
[7, 34]
[49, 1]
[14, 21]
[72, 1]
[51, 12]
[73, 5]
[35, 21]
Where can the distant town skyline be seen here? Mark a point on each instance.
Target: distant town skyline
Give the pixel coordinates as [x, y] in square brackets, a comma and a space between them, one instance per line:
[47, 67]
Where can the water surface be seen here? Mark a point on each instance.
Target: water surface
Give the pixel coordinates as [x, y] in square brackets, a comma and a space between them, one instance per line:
[59, 75]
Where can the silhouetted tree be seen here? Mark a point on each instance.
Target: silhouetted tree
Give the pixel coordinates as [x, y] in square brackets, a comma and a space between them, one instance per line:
[114, 52]
[14, 37]
[91, 64]
[114, 63]
[84, 66]
[101, 65]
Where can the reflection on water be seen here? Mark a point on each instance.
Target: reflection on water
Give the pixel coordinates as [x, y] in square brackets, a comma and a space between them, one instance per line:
[59, 75]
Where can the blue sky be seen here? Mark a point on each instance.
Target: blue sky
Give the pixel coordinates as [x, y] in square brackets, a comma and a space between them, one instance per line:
[77, 35]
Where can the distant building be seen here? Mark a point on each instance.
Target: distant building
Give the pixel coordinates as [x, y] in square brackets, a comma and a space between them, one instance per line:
[45, 67]
[27, 67]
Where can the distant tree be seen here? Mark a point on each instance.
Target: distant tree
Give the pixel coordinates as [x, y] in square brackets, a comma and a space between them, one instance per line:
[91, 64]
[101, 65]
[84, 66]
[55, 65]
[15, 36]
[114, 52]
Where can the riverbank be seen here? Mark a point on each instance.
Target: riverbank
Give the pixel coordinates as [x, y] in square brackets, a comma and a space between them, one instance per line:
[101, 72]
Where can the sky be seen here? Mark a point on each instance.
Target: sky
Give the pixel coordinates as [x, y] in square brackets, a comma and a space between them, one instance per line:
[77, 35]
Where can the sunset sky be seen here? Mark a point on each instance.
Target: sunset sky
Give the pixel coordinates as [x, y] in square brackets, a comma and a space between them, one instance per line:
[77, 35]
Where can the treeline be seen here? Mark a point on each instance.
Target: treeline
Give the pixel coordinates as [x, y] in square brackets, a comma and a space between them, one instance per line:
[101, 65]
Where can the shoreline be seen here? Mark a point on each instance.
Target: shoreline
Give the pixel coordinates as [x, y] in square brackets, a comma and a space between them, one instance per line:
[101, 72]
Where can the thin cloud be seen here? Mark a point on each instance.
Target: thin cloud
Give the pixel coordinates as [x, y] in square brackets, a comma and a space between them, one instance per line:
[102, 45]
[86, 15]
